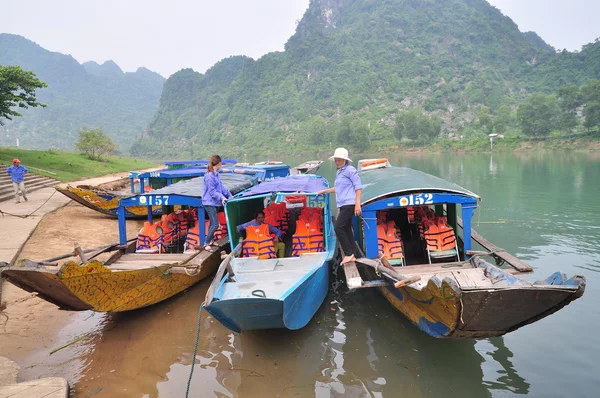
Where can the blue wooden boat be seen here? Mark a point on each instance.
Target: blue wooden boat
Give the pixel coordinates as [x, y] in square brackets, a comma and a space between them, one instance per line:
[412, 236]
[250, 293]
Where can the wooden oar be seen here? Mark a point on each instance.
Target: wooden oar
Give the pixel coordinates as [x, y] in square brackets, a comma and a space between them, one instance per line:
[379, 266]
[220, 273]
[100, 249]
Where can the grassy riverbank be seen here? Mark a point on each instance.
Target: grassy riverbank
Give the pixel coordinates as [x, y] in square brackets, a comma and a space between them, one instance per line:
[70, 166]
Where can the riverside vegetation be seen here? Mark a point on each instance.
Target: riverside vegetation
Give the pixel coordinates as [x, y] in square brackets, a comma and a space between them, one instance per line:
[374, 75]
[382, 74]
[70, 166]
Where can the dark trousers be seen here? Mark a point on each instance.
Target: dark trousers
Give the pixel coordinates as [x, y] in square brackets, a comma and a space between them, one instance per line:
[214, 222]
[343, 229]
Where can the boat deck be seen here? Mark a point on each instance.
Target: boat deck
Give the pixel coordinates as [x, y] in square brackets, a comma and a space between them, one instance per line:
[274, 277]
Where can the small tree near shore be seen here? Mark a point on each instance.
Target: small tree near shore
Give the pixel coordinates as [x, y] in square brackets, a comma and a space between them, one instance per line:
[94, 143]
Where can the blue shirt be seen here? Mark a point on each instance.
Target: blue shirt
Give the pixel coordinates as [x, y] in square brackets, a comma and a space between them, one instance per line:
[255, 223]
[347, 182]
[213, 191]
[17, 173]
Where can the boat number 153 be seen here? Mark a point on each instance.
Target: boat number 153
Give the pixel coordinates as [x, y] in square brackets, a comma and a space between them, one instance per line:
[416, 200]
[154, 200]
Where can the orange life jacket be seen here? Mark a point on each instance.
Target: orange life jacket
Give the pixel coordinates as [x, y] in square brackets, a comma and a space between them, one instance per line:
[278, 216]
[221, 231]
[150, 239]
[169, 233]
[258, 243]
[310, 214]
[183, 218]
[307, 239]
[440, 236]
[411, 214]
[192, 238]
[388, 241]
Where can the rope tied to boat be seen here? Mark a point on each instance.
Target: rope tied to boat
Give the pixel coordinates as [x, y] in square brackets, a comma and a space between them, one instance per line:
[189, 383]
[164, 273]
[3, 213]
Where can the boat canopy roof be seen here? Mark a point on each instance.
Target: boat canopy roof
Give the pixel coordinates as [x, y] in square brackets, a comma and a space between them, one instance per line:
[299, 183]
[194, 162]
[392, 181]
[233, 182]
[199, 171]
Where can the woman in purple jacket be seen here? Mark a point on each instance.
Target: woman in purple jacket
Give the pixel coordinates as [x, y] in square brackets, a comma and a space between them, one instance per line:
[214, 195]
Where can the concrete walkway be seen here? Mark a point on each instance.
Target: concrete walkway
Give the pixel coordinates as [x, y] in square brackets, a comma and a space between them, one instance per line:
[48, 387]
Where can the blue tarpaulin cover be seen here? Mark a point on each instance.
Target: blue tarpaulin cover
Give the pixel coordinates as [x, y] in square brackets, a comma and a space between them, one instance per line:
[193, 187]
[302, 183]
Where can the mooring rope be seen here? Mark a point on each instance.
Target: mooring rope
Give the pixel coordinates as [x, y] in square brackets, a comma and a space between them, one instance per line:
[187, 390]
[30, 214]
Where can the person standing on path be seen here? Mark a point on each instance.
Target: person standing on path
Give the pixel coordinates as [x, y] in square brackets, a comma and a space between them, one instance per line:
[17, 174]
[348, 191]
[214, 195]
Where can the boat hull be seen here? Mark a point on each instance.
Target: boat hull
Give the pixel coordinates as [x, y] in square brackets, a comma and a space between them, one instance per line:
[105, 202]
[293, 311]
[443, 308]
[97, 287]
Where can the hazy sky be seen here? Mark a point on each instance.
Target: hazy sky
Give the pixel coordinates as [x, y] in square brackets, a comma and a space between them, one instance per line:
[166, 36]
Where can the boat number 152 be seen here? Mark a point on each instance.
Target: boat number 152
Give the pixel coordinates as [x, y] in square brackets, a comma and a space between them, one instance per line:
[154, 200]
[416, 200]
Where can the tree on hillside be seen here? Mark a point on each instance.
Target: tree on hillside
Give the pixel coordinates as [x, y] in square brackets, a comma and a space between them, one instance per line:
[569, 100]
[317, 130]
[94, 143]
[417, 125]
[591, 91]
[360, 135]
[17, 89]
[537, 116]
[485, 120]
[502, 119]
[592, 115]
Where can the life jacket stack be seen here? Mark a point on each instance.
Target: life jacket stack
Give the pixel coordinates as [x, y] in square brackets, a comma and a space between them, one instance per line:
[168, 225]
[150, 238]
[411, 214]
[193, 234]
[277, 215]
[388, 241]
[440, 237]
[258, 243]
[309, 232]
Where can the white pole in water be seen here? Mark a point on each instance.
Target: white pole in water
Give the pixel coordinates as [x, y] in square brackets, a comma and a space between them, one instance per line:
[492, 140]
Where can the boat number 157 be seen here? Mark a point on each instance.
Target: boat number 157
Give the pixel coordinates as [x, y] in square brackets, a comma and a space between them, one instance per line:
[154, 200]
[416, 200]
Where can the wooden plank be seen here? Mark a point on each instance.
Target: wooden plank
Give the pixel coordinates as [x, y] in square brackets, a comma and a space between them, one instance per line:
[472, 278]
[155, 257]
[353, 279]
[511, 260]
[432, 268]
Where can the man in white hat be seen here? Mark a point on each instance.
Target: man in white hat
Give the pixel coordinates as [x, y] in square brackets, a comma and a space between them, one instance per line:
[348, 191]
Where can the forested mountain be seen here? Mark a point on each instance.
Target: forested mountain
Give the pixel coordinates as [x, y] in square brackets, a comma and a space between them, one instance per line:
[351, 67]
[88, 95]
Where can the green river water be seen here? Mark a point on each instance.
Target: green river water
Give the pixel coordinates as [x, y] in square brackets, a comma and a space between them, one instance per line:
[542, 207]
